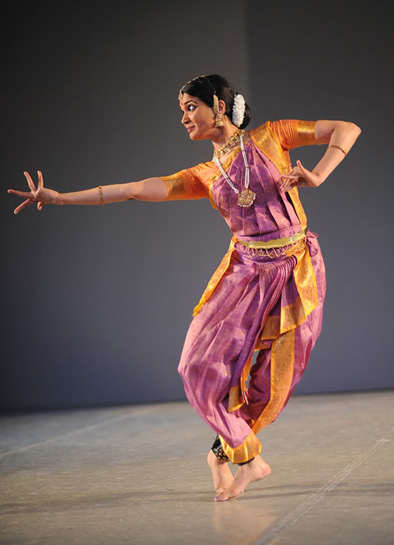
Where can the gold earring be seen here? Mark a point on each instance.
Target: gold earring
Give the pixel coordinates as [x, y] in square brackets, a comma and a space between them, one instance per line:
[218, 116]
[219, 121]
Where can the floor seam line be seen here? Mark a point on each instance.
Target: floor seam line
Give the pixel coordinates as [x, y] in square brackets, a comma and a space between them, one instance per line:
[271, 534]
[68, 434]
[86, 428]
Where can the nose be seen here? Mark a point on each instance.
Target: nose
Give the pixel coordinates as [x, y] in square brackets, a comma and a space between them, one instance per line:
[185, 118]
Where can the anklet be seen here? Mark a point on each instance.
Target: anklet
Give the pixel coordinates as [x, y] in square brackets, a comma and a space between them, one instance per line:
[218, 451]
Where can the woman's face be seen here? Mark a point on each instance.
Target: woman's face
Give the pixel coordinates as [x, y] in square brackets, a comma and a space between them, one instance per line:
[198, 118]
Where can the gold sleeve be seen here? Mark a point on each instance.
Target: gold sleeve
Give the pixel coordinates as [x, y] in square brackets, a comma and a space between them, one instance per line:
[293, 133]
[184, 185]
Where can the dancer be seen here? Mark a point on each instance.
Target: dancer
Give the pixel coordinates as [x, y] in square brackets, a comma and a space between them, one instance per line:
[266, 297]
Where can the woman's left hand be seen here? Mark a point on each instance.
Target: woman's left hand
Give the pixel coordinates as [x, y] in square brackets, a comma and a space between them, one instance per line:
[299, 176]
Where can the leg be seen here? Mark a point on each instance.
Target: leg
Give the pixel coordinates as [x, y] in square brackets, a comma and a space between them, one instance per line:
[272, 381]
[219, 464]
[220, 341]
[273, 378]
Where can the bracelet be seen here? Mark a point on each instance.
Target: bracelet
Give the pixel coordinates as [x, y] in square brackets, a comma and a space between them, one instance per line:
[338, 147]
[100, 192]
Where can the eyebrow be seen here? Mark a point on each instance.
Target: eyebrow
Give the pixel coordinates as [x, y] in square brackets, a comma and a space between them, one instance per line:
[187, 102]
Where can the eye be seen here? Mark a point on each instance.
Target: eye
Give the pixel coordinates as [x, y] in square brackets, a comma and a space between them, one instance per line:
[191, 107]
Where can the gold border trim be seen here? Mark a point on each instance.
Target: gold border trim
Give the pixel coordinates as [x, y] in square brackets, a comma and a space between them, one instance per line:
[274, 243]
[250, 448]
[282, 368]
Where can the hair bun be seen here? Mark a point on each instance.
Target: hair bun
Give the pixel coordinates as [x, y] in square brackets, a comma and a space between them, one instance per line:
[247, 117]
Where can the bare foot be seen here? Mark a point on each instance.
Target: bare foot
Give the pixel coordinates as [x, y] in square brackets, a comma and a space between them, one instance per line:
[221, 473]
[254, 471]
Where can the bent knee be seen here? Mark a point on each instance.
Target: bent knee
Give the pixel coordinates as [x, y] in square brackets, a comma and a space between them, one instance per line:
[189, 369]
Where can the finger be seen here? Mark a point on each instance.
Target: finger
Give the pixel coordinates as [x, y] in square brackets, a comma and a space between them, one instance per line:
[22, 206]
[289, 176]
[30, 181]
[40, 179]
[23, 194]
[287, 185]
[295, 171]
[293, 182]
[301, 167]
[40, 206]
[305, 175]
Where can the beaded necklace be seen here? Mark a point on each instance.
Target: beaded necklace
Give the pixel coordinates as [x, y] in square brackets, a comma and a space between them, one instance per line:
[246, 196]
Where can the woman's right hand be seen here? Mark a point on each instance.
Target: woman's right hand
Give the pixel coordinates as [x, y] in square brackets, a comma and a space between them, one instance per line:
[39, 194]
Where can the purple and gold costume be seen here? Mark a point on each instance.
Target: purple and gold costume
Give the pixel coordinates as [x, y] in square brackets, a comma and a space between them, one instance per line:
[267, 300]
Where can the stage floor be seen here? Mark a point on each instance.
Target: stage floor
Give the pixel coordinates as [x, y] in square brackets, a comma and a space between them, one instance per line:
[137, 475]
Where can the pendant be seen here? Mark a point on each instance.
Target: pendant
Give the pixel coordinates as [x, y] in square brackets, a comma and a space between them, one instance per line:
[246, 198]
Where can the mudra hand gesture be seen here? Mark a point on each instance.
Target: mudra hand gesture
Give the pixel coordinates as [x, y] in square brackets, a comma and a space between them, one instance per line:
[39, 194]
[299, 176]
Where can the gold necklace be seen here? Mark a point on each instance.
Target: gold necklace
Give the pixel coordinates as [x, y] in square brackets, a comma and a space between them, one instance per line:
[230, 144]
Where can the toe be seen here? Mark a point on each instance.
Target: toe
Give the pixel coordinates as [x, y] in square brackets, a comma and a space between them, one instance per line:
[227, 496]
[220, 498]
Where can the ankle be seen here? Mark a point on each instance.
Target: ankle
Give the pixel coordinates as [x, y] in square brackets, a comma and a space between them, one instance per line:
[218, 451]
[247, 462]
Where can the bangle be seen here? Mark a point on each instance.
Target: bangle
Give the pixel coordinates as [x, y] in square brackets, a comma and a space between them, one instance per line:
[100, 192]
[338, 147]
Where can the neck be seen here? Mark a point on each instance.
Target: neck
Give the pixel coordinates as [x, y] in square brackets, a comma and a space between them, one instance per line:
[223, 135]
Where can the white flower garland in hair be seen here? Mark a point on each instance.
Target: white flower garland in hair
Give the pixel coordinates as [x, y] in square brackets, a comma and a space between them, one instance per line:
[238, 110]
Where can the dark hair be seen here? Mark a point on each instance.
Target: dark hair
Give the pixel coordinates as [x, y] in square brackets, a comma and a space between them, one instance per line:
[204, 87]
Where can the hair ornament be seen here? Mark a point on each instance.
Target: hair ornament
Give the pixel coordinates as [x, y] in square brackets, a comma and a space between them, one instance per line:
[238, 113]
[218, 116]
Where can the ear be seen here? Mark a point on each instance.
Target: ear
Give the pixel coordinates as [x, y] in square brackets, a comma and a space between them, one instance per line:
[222, 107]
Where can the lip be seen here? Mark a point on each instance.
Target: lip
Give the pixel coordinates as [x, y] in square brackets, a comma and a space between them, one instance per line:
[189, 129]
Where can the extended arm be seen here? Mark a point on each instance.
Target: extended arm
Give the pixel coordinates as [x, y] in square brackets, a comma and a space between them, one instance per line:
[340, 137]
[151, 189]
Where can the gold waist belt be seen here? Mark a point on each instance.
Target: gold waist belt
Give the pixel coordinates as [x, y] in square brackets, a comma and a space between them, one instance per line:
[276, 243]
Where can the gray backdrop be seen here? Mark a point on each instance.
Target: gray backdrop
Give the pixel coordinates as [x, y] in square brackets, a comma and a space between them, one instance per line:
[96, 301]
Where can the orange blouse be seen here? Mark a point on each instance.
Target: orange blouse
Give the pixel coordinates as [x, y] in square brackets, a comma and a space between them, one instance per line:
[275, 139]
